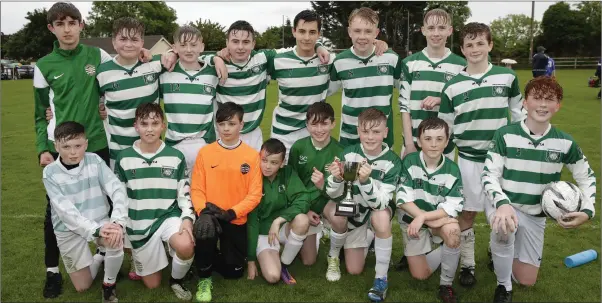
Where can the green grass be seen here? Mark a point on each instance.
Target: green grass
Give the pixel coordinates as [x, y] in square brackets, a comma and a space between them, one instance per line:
[23, 207]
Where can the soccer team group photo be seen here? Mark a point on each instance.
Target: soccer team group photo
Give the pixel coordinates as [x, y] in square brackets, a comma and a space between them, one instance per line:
[185, 170]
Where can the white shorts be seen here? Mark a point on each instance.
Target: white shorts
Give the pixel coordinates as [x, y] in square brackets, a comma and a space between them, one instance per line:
[528, 243]
[474, 195]
[151, 258]
[358, 238]
[416, 247]
[290, 139]
[190, 148]
[75, 251]
[262, 241]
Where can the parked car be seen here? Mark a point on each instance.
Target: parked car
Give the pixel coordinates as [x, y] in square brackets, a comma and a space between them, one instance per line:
[25, 71]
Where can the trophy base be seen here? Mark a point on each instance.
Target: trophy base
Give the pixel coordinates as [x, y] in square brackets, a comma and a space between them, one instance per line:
[346, 210]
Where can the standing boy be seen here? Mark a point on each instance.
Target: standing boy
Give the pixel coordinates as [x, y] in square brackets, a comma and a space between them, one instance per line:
[475, 104]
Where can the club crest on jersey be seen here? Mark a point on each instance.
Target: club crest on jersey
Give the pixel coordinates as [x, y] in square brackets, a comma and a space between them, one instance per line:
[403, 179]
[466, 96]
[419, 182]
[167, 171]
[115, 85]
[553, 156]
[150, 78]
[255, 69]
[323, 68]
[416, 75]
[350, 74]
[245, 168]
[498, 90]
[90, 69]
[302, 159]
[448, 77]
[382, 69]
[440, 188]
[281, 188]
[491, 145]
[208, 89]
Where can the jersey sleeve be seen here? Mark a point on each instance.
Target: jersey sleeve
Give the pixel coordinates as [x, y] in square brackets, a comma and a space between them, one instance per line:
[104, 56]
[252, 234]
[253, 197]
[297, 194]
[583, 174]
[334, 74]
[378, 193]
[41, 96]
[405, 186]
[198, 188]
[516, 102]
[67, 212]
[183, 192]
[112, 187]
[405, 83]
[446, 113]
[454, 199]
[493, 169]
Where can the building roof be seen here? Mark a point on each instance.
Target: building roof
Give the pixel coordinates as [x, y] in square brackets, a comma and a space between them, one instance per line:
[107, 45]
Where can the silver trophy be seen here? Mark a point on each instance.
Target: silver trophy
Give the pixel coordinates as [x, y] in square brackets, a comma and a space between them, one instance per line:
[348, 207]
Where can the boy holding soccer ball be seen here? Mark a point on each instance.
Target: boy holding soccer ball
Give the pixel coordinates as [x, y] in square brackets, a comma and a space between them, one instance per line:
[523, 158]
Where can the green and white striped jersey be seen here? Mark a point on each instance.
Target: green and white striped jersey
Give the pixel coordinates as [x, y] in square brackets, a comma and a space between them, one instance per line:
[124, 89]
[246, 86]
[423, 77]
[430, 189]
[157, 188]
[476, 106]
[367, 82]
[378, 192]
[301, 83]
[188, 98]
[519, 166]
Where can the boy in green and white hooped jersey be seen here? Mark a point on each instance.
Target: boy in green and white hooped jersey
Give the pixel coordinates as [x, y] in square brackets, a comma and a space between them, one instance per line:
[126, 83]
[423, 75]
[310, 157]
[160, 209]
[373, 193]
[188, 94]
[523, 158]
[367, 79]
[248, 72]
[475, 104]
[429, 196]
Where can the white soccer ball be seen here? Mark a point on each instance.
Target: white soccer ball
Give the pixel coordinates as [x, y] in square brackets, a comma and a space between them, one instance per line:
[559, 198]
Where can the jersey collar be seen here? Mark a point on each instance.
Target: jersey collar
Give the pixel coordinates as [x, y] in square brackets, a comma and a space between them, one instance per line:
[428, 170]
[384, 151]
[67, 52]
[436, 60]
[152, 155]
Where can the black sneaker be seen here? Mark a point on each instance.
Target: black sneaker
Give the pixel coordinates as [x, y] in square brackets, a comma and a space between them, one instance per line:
[467, 278]
[108, 293]
[54, 285]
[502, 295]
[490, 264]
[402, 264]
[446, 294]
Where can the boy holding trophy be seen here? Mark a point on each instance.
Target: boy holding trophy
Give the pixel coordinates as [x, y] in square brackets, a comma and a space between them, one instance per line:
[371, 170]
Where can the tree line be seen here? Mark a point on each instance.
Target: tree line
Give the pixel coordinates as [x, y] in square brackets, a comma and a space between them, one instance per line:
[565, 30]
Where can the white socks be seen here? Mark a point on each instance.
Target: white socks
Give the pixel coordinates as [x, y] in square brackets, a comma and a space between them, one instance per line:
[292, 247]
[502, 253]
[467, 248]
[113, 260]
[433, 259]
[382, 250]
[336, 243]
[53, 269]
[449, 264]
[180, 267]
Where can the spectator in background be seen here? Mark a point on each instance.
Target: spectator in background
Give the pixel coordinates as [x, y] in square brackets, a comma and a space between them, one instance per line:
[540, 62]
[551, 67]
[598, 75]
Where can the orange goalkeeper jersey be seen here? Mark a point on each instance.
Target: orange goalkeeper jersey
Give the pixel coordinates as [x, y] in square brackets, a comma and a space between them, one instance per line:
[228, 178]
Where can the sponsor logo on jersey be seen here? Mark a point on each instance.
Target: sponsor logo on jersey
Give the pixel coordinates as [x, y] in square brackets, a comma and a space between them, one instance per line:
[302, 159]
[90, 69]
[382, 69]
[245, 168]
[167, 171]
[381, 175]
[553, 156]
[323, 68]
[466, 95]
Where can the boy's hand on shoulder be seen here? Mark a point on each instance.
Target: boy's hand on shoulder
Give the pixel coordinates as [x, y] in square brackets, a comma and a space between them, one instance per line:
[224, 54]
[317, 177]
[221, 69]
[145, 55]
[168, 60]
[49, 114]
[381, 47]
[45, 159]
[430, 102]
[365, 171]
[323, 54]
[409, 148]
[573, 220]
